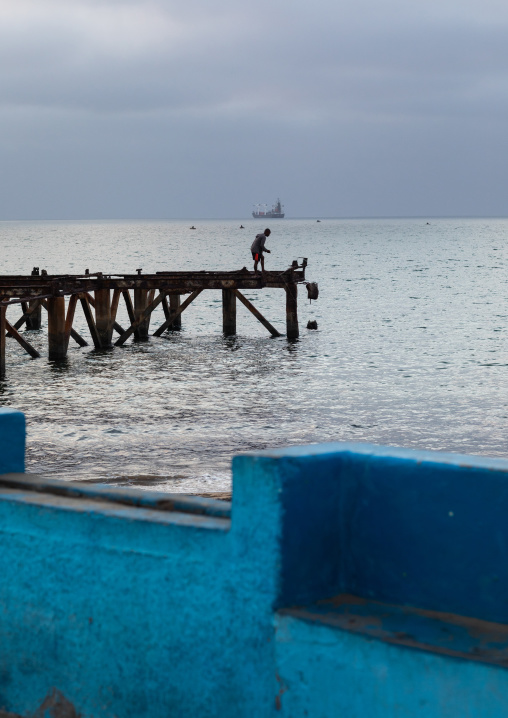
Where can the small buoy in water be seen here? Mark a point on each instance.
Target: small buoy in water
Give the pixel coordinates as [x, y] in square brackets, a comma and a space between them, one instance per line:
[318, 220]
[193, 227]
[242, 227]
[312, 324]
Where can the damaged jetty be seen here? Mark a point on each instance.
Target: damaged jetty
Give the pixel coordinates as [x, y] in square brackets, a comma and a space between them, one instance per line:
[100, 294]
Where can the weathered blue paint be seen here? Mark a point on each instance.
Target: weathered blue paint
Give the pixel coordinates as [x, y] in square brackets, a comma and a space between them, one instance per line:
[365, 512]
[416, 529]
[150, 605]
[324, 672]
[445, 633]
[12, 441]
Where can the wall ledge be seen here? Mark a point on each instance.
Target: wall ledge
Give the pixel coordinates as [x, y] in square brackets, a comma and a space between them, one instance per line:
[434, 631]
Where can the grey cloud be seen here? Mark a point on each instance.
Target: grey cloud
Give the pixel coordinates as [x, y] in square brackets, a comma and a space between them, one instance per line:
[298, 64]
[365, 107]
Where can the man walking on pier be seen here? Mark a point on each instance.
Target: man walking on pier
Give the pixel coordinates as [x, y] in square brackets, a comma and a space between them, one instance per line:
[257, 249]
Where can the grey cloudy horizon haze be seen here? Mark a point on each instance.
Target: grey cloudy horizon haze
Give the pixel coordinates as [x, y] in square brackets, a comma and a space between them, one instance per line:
[132, 109]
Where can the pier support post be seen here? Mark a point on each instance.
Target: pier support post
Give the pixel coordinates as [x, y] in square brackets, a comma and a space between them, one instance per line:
[292, 311]
[34, 320]
[3, 328]
[228, 312]
[140, 304]
[57, 340]
[174, 306]
[103, 316]
[165, 306]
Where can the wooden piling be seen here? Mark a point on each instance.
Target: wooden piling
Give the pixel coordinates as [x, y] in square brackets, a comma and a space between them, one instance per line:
[140, 304]
[174, 306]
[3, 328]
[165, 305]
[56, 328]
[292, 311]
[228, 312]
[34, 319]
[83, 298]
[77, 337]
[116, 326]
[103, 316]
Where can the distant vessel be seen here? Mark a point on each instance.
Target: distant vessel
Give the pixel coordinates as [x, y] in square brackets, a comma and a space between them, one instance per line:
[275, 213]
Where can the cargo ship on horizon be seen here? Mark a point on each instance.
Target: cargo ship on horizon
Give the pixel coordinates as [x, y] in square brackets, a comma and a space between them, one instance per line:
[275, 213]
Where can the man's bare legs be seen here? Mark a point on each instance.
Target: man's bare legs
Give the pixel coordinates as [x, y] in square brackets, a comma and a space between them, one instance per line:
[262, 260]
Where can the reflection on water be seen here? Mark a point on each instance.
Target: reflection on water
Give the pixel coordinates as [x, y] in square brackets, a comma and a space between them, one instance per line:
[58, 365]
[410, 350]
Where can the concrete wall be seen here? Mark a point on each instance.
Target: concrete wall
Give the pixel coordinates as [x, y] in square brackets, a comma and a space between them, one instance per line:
[394, 568]
[12, 441]
[130, 611]
[129, 604]
[327, 673]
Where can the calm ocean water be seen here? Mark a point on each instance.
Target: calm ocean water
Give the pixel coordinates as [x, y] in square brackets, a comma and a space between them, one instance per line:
[411, 348]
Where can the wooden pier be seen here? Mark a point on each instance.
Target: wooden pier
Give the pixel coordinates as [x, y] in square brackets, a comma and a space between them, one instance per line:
[99, 296]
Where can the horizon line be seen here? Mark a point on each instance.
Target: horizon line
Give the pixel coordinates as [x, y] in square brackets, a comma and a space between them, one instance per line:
[251, 219]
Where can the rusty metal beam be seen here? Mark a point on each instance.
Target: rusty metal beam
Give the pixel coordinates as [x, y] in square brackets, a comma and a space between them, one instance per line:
[165, 305]
[292, 331]
[128, 303]
[77, 337]
[70, 318]
[103, 315]
[182, 308]
[142, 318]
[174, 304]
[3, 327]
[83, 298]
[34, 319]
[17, 336]
[56, 328]
[228, 312]
[25, 288]
[32, 308]
[116, 326]
[256, 313]
[114, 307]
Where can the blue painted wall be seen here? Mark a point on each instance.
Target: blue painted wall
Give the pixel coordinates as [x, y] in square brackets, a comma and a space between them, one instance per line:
[131, 612]
[325, 673]
[12, 441]
[421, 528]
[135, 611]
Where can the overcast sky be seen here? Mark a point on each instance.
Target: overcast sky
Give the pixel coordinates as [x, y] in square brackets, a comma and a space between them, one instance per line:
[192, 108]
